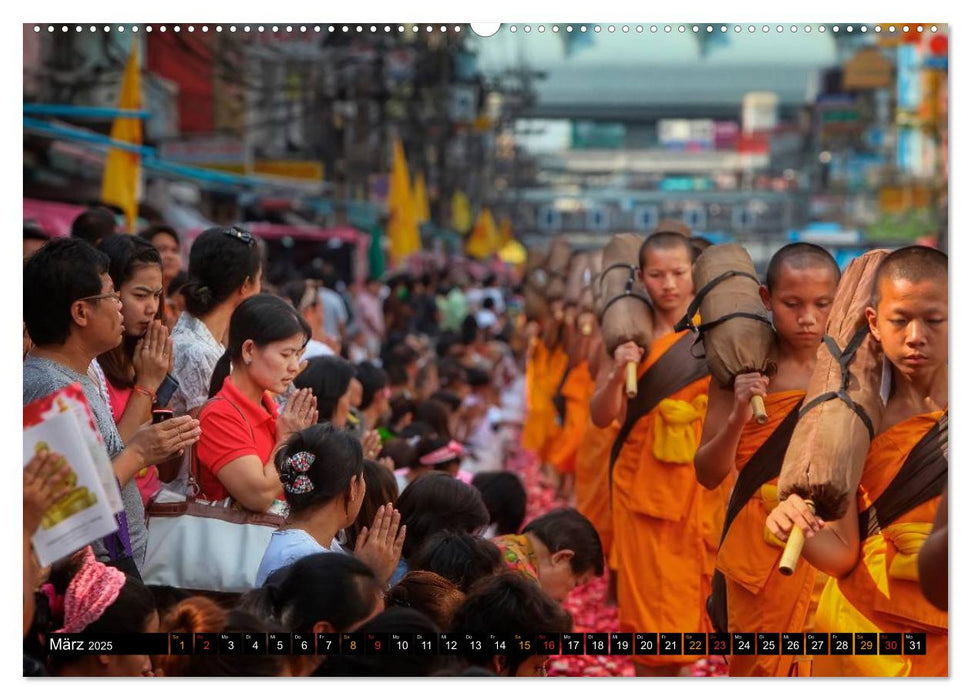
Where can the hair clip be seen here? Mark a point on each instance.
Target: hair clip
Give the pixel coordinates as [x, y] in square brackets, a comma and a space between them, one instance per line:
[294, 472]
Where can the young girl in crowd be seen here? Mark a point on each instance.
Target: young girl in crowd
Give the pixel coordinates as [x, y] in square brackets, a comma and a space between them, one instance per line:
[224, 270]
[435, 502]
[133, 371]
[241, 429]
[329, 378]
[322, 471]
[85, 595]
[324, 592]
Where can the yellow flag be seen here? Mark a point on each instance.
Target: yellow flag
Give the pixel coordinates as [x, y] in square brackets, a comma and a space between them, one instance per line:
[461, 212]
[120, 183]
[484, 239]
[402, 220]
[422, 212]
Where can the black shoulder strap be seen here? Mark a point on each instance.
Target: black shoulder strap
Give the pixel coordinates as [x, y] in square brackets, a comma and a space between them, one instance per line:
[763, 466]
[921, 478]
[559, 401]
[673, 371]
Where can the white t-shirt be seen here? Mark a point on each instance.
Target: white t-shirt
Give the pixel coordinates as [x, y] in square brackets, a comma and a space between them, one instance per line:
[315, 348]
[485, 318]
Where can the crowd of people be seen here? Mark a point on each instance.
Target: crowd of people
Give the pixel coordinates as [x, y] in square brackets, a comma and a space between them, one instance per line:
[371, 423]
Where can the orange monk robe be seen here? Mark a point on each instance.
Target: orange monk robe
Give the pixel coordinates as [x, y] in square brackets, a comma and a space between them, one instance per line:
[576, 391]
[592, 480]
[666, 525]
[556, 362]
[535, 422]
[882, 592]
[760, 599]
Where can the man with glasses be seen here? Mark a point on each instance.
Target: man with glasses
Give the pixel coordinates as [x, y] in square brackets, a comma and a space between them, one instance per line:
[73, 314]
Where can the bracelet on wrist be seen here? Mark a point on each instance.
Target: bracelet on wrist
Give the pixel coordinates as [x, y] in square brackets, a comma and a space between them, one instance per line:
[146, 392]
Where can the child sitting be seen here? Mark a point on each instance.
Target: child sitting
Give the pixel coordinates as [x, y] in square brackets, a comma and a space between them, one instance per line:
[561, 550]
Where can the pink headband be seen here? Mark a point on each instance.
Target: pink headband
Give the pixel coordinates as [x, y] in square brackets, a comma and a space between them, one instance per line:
[443, 454]
[92, 591]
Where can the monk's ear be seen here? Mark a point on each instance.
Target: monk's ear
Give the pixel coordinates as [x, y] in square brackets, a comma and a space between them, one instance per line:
[766, 296]
[871, 319]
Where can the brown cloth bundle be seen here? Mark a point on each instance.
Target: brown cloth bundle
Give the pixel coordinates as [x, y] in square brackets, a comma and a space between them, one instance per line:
[595, 258]
[624, 309]
[534, 285]
[735, 327]
[556, 267]
[842, 409]
[574, 277]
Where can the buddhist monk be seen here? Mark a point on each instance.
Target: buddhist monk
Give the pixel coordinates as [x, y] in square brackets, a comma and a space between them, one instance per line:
[799, 288]
[875, 585]
[666, 525]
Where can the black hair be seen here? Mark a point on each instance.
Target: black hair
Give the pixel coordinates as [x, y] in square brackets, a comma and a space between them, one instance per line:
[382, 488]
[155, 229]
[416, 430]
[469, 330]
[488, 303]
[400, 407]
[668, 236]
[458, 556]
[177, 283]
[331, 587]
[451, 400]
[567, 528]
[373, 379]
[220, 262]
[402, 621]
[262, 318]
[446, 341]
[505, 497]
[328, 378]
[434, 502]
[435, 415]
[338, 458]
[505, 604]
[93, 224]
[401, 451]
[914, 264]
[57, 275]
[34, 232]
[478, 377]
[125, 255]
[799, 256]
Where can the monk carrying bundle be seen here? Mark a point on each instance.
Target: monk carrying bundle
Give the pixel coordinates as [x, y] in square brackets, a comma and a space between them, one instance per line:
[885, 509]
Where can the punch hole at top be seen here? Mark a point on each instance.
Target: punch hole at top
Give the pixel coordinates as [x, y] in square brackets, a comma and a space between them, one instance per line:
[485, 29]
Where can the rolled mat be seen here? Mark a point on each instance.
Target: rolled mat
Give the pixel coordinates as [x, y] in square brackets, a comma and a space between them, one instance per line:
[843, 408]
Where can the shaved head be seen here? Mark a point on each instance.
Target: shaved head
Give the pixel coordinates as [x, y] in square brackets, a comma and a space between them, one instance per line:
[912, 264]
[668, 234]
[799, 256]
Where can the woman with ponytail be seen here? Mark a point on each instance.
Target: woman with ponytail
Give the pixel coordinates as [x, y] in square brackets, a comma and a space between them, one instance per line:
[241, 429]
[224, 270]
[322, 471]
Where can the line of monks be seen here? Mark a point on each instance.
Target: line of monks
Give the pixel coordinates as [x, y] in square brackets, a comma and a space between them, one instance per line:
[657, 490]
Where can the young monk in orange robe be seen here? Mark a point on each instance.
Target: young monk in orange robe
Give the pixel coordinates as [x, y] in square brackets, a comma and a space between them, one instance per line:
[875, 586]
[592, 462]
[800, 286]
[665, 524]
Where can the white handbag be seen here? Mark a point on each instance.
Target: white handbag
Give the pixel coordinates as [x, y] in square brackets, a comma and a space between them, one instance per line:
[205, 545]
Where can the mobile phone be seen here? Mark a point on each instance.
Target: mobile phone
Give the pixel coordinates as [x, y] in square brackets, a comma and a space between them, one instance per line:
[166, 390]
[161, 414]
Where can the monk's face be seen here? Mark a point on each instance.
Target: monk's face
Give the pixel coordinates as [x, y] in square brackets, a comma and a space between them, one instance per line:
[910, 322]
[667, 275]
[800, 303]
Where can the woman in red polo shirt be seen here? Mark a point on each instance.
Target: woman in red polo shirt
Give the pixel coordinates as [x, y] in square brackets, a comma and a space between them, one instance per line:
[240, 425]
